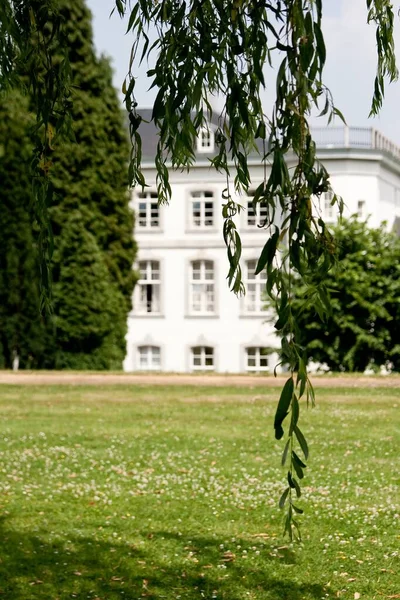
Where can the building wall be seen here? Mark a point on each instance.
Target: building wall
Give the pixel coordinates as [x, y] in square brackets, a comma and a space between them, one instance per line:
[367, 177]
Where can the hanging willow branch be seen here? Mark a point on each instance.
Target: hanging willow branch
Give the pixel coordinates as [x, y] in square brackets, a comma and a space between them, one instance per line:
[205, 47]
[34, 57]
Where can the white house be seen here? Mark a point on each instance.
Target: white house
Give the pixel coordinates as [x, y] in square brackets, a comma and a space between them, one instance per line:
[184, 316]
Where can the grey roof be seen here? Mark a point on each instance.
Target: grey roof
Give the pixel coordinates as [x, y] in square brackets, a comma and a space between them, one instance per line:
[326, 138]
[149, 134]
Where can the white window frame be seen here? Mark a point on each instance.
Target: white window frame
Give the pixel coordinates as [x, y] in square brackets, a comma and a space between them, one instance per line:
[141, 306]
[361, 209]
[202, 287]
[147, 222]
[254, 301]
[258, 358]
[203, 353]
[152, 352]
[202, 220]
[205, 140]
[328, 211]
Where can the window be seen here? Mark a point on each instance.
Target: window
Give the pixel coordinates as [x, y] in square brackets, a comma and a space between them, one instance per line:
[201, 291]
[201, 210]
[149, 287]
[148, 213]
[149, 358]
[329, 213]
[257, 359]
[202, 358]
[256, 218]
[255, 284]
[205, 140]
[361, 209]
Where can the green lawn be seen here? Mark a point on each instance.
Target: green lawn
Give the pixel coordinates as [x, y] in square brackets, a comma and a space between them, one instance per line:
[149, 492]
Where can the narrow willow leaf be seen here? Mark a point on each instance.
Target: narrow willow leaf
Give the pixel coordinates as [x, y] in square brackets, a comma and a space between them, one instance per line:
[298, 469]
[295, 414]
[285, 453]
[291, 481]
[299, 511]
[268, 252]
[338, 113]
[283, 407]
[283, 498]
[321, 50]
[297, 460]
[296, 487]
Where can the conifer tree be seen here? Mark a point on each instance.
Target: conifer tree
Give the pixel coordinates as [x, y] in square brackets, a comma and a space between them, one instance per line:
[90, 171]
[90, 213]
[22, 330]
[88, 319]
[90, 181]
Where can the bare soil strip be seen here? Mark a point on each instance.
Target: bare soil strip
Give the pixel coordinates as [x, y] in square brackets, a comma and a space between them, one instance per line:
[103, 379]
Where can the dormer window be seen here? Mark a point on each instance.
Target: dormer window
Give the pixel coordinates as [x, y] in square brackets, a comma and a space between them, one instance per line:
[205, 140]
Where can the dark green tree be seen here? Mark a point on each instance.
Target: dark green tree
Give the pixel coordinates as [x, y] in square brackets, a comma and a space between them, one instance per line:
[88, 322]
[22, 328]
[90, 170]
[363, 329]
[89, 177]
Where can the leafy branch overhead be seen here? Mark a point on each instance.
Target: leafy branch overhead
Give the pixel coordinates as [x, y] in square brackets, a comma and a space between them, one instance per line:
[204, 48]
[219, 47]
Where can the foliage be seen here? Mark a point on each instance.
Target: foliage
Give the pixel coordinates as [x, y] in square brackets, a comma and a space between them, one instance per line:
[90, 170]
[32, 43]
[362, 329]
[22, 329]
[208, 46]
[89, 323]
[150, 491]
[89, 181]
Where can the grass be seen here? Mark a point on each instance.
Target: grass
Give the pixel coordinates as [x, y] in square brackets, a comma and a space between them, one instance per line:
[148, 492]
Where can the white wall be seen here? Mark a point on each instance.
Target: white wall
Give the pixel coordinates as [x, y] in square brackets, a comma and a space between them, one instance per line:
[365, 176]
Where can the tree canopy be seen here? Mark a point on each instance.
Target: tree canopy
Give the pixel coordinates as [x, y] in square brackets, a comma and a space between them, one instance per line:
[362, 330]
[89, 214]
[219, 47]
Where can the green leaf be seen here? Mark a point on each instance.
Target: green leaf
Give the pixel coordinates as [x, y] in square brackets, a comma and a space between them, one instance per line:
[338, 113]
[321, 50]
[296, 487]
[283, 407]
[283, 498]
[295, 413]
[285, 452]
[268, 252]
[293, 484]
[302, 441]
[261, 131]
[298, 469]
[297, 460]
[291, 481]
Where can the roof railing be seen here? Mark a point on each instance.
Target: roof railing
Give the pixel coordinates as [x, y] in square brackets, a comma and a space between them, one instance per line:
[354, 137]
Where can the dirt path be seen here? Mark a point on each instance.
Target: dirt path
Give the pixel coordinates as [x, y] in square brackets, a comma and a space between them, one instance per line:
[77, 378]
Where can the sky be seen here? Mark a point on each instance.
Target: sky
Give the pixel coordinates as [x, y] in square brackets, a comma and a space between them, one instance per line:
[349, 72]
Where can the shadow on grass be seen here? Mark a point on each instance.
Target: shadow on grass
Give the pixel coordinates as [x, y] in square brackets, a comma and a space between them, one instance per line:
[161, 565]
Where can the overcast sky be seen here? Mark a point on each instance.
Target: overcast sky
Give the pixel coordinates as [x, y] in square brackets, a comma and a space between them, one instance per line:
[349, 72]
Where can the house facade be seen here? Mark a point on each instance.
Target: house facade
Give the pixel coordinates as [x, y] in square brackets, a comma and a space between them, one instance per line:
[184, 317]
